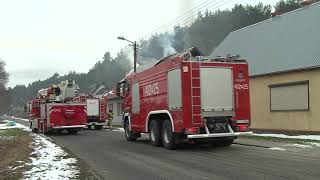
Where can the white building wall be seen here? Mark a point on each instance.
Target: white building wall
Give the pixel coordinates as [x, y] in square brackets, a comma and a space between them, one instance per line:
[116, 106]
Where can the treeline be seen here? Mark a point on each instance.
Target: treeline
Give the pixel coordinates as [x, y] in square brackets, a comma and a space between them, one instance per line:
[206, 32]
[109, 71]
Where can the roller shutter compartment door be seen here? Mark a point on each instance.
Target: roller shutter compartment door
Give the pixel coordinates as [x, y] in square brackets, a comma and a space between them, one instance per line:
[135, 98]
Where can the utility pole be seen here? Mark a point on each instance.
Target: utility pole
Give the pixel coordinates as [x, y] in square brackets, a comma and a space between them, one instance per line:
[134, 44]
[135, 56]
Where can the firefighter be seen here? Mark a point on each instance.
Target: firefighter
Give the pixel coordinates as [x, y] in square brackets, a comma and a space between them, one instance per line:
[110, 118]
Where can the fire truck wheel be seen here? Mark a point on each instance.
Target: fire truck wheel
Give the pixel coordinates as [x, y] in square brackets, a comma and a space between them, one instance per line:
[130, 136]
[168, 137]
[155, 133]
[35, 130]
[98, 127]
[72, 131]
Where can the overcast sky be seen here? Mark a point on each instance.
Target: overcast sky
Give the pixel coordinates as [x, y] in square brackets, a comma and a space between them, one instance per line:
[41, 37]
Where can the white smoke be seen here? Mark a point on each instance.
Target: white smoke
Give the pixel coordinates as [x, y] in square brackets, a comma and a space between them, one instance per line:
[166, 44]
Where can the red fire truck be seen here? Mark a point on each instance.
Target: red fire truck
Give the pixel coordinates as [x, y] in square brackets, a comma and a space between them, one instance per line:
[187, 97]
[50, 111]
[96, 110]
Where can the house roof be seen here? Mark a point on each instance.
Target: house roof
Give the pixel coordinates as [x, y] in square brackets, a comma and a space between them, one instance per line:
[283, 43]
[97, 88]
[102, 91]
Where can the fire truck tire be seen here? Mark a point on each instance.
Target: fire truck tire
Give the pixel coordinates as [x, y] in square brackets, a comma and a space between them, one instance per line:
[73, 131]
[35, 130]
[98, 127]
[130, 136]
[168, 137]
[89, 126]
[155, 133]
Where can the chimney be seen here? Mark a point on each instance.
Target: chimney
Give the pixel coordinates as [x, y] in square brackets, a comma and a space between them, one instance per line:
[306, 2]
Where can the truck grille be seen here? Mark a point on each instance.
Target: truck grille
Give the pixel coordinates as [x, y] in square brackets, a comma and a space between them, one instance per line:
[217, 125]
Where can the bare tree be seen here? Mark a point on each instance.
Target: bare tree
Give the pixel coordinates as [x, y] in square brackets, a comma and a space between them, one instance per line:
[4, 96]
[3, 74]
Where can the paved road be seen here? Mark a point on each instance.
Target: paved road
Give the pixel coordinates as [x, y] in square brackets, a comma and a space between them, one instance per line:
[114, 158]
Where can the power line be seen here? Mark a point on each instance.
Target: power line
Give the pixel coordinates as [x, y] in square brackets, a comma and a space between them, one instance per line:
[175, 19]
[207, 5]
[183, 17]
[224, 2]
[186, 16]
[142, 54]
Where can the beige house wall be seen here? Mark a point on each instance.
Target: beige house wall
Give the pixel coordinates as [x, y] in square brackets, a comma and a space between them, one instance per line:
[303, 120]
[117, 115]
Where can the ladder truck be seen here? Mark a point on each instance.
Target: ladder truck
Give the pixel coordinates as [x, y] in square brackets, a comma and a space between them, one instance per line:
[53, 109]
[187, 97]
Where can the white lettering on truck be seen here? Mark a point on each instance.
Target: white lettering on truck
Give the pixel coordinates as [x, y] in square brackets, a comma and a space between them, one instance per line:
[151, 89]
[241, 86]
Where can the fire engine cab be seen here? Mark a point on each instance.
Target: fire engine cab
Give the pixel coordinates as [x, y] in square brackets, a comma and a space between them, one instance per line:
[187, 97]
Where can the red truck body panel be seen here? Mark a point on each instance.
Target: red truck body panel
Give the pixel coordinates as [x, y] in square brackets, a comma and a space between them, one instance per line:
[66, 115]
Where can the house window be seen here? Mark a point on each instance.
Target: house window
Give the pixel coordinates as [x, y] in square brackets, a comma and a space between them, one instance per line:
[289, 96]
[111, 107]
[119, 109]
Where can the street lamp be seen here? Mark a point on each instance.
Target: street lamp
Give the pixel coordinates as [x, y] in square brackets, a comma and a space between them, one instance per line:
[134, 44]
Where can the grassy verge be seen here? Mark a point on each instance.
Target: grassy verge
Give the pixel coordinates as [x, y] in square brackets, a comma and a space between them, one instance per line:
[14, 153]
[277, 139]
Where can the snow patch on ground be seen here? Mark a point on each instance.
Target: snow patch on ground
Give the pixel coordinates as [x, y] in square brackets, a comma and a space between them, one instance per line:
[313, 144]
[17, 125]
[277, 149]
[20, 119]
[303, 137]
[299, 145]
[50, 161]
[117, 129]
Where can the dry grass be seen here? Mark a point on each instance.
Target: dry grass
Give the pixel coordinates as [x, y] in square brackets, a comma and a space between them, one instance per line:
[14, 153]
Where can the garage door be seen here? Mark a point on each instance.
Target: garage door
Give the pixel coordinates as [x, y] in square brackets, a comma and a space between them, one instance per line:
[289, 96]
